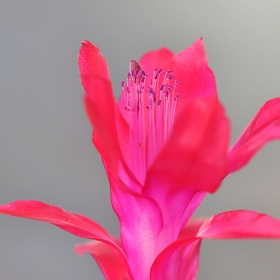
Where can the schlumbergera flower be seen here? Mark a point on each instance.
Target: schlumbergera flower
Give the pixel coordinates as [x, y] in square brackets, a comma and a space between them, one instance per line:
[164, 147]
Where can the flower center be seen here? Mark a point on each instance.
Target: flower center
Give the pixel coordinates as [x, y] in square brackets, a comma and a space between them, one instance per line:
[150, 103]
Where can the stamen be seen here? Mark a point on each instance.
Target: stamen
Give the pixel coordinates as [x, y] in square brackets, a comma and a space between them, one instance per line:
[148, 129]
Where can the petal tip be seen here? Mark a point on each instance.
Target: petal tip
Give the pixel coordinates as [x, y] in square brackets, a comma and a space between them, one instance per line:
[91, 62]
[89, 45]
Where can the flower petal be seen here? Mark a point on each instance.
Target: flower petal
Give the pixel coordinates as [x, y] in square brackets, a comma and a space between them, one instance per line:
[75, 224]
[72, 223]
[100, 105]
[191, 69]
[111, 261]
[101, 108]
[161, 58]
[100, 102]
[183, 203]
[140, 223]
[197, 149]
[232, 224]
[263, 128]
[240, 224]
[178, 261]
[91, 62]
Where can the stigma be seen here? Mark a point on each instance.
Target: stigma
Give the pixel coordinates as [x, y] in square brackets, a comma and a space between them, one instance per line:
[150, 105]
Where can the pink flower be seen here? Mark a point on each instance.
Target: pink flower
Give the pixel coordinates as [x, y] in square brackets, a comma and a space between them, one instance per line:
[164, 147]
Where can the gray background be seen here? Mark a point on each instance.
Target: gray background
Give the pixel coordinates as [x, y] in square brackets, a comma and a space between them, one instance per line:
[45, 146]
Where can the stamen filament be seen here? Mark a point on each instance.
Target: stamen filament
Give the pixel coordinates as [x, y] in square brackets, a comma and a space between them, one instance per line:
[151, 103]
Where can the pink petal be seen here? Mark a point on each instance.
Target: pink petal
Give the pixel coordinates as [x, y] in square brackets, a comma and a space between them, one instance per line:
[91, 62]
[100, 102]
[191, 69]
[232, 224]
[108, 253]
[72, 223]
[140, 225]
[100, 105]
[102, 109]
[183, 203]
[240, 224]
[197, 149]
[178, 261]
[263, 128]
[111, 261]
[161, 58]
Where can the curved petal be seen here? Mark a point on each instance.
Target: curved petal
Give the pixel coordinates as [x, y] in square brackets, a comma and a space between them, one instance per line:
[191, 69]
[100, 103]
[73, 223]
[101, 109]
[232, 224]
[263, 128]
[178, 261]
[161, 58]
[183, 203]
[197, 149]
[91, 62]
[240, 224]
[111, 261]
[140, 223]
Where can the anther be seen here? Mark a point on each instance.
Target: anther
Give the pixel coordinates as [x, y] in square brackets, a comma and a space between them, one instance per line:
[148, 129]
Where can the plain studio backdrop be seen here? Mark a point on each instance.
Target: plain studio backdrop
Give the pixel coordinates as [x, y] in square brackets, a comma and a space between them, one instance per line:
[45, 146]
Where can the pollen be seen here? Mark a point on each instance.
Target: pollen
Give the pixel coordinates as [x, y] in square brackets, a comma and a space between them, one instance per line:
[150, 105]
